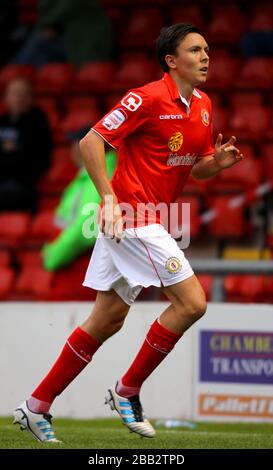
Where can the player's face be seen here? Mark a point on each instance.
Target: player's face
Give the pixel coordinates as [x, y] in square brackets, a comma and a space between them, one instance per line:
[191, 60]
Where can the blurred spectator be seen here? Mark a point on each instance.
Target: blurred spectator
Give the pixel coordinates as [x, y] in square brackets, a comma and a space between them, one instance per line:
[25, 146]
[69, 217]
[73, 30]
[257, 43]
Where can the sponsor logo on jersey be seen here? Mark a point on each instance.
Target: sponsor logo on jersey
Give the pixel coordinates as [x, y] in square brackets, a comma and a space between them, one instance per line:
[170, 116]
[205, 117]
[114, 119]
[177, 160]
[173, 265]
[131, 101]
[175, 141]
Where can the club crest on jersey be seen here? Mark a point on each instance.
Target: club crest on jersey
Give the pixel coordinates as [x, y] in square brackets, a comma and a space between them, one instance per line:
[205, 117]
[173, 265]
[175, 141]
[114, 119]
[131, 101]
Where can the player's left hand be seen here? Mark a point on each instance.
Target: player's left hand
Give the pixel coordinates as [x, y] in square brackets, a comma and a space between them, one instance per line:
[226, 154]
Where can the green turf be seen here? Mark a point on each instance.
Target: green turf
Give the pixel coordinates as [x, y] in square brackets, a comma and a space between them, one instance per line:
[111, 434]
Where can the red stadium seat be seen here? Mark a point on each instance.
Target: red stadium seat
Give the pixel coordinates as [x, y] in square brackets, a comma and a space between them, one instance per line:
[206, 281]
[267, 293]
[220, 120]
[227, 24]
[250, 122]
[243, 176]
[262, 17]
[4, 258]
[54, 120]
[28, 17]
[177, 219]
[222, 72]
[7, 277]
[8, 72]
[13, 227]
[195, 188]
[110, 101]
[67, 284]
[245, 99]
[48, 201]
[33, 283]
[116, 16]
[135, 72]
[29, 258]
[80, 118]
[61, 172]
[256, 73]
[54, 78]
[188, 14]
[226, 224]
[243, 288]
[142, 28]
[216, 99]
[42, 228]
[81, 102]
[94, 77]
[47, 104]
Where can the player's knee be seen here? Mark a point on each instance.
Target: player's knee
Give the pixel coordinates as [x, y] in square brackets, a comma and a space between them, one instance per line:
[193, 309]
[198, 308]
[113, 322]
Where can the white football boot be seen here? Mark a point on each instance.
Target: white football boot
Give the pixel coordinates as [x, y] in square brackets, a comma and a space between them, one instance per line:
[38, 424]
[131, 413]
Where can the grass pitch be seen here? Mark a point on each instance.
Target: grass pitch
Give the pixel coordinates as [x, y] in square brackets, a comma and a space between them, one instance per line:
[111, 434]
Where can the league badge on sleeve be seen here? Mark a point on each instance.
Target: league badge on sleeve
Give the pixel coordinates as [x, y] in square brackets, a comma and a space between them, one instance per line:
[114, 119]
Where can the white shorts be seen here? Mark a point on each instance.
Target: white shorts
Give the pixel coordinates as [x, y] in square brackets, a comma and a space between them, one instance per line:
[146, 256]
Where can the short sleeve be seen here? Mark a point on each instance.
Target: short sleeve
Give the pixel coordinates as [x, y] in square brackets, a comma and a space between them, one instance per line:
[130, 113]
[207, 119]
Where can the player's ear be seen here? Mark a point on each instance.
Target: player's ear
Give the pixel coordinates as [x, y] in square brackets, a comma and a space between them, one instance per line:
[170, 60]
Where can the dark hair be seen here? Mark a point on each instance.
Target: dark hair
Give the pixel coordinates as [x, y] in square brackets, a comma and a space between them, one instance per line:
[170, 38]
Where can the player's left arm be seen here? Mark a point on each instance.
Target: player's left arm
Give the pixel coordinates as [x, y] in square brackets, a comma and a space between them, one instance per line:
[225, 156]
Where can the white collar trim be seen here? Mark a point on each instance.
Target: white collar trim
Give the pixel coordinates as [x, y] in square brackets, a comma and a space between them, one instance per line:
[186, 103]
[195, 93]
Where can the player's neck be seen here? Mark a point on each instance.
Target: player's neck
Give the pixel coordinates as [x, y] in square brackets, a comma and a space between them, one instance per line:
[185, 88]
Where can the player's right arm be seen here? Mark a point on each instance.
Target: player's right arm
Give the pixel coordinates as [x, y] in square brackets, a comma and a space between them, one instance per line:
[130, 113]
[93, 154]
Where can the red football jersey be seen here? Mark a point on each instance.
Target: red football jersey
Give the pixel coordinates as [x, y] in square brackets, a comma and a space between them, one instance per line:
[158, 137]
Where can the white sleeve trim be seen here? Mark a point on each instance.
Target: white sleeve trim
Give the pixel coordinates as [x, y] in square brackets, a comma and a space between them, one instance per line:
[94, 130]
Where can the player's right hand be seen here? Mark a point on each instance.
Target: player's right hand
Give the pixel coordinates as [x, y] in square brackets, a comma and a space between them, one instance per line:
[111, 219]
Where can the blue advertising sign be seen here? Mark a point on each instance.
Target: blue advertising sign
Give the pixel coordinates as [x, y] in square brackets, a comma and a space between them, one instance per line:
[236, 356]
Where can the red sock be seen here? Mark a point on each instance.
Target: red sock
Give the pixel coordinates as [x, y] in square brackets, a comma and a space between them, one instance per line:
[158, 343]
[76, 354]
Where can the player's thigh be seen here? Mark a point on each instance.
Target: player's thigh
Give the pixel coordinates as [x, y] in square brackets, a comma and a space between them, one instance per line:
[187, 294]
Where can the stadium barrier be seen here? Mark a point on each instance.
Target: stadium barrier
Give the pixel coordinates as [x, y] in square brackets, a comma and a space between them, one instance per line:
[221, 370]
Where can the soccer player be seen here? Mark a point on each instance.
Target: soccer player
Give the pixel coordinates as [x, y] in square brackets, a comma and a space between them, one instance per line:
[162, 132]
